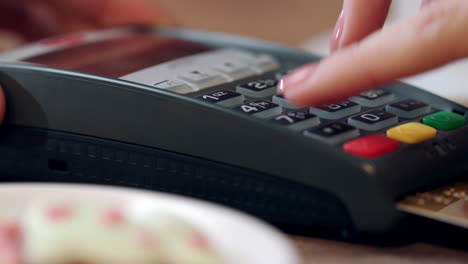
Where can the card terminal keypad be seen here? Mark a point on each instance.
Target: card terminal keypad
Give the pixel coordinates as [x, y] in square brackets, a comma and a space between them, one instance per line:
[369, 115]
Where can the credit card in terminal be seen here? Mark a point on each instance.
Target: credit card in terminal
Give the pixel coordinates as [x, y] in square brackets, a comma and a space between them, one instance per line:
[448, 204]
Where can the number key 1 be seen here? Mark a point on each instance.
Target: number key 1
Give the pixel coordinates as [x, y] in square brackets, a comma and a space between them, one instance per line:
[223, 97]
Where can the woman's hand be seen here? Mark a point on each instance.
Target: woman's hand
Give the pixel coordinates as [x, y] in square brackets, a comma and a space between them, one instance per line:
[365, 56]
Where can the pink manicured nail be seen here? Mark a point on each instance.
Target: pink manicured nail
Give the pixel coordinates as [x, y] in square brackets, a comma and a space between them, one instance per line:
[337, 33]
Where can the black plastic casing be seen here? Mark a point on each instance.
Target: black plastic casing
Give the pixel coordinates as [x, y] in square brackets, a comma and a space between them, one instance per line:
[73, 127]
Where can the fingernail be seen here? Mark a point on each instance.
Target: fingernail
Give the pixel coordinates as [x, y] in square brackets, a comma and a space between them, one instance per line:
[280, 87]
[293, 78]
[337, 33]
[298, 80]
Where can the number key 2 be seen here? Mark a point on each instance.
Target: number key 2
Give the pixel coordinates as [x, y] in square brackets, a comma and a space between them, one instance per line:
[260, 108]
[258, 88]
[223, 97]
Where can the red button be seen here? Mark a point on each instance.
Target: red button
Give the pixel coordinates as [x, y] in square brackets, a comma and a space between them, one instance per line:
[371, 146]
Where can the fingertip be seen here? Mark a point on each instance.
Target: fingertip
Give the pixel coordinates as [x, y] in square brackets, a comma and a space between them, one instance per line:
[294, 86]
[299, 75]
[328, 81]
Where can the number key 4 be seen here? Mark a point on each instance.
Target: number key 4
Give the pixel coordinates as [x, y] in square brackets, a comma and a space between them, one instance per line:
[260, 108]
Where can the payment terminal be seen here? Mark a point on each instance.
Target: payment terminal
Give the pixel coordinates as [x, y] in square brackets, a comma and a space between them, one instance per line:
[196, 113]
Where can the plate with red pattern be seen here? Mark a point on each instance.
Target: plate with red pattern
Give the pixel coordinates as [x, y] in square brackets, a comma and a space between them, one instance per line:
[78, 223]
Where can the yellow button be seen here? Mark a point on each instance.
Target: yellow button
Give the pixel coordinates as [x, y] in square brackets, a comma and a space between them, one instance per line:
[411, 132]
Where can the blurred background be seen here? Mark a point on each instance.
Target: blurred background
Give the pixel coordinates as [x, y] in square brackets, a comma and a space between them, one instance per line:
[289, 22]
[300, 23]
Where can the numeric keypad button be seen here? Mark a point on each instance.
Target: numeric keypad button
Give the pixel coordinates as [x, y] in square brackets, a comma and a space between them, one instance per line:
[297, 120]
[408, 108]
[259, 88]
[371, 146]
[445, 120]
[373, 120]
[279, 99]
[260, 108]
[411, 133]
[261, 62]
[202, 78]
[223, 97]
[233, 70]
[174, 86]
[373, 98]
[336, 111]
[333, 133]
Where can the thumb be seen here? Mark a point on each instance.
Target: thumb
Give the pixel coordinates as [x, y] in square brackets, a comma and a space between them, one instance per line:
[432, 38]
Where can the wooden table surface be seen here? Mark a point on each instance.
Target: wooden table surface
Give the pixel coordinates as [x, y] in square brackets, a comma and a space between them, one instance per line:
[314, 251]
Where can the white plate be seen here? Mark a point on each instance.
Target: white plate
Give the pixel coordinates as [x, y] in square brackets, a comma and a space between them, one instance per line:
[238, 237]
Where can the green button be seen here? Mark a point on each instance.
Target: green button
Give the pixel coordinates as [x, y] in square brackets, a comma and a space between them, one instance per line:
[445, 120]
